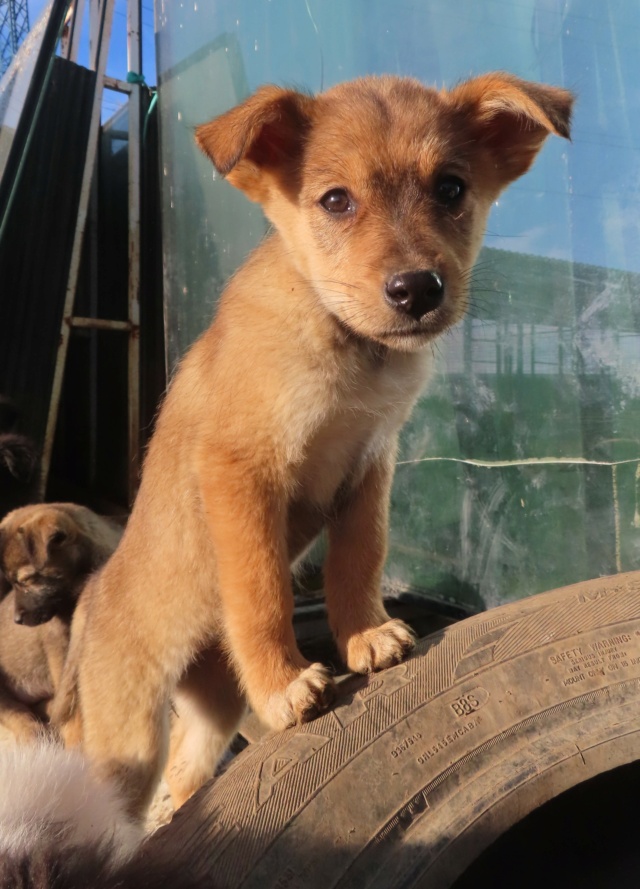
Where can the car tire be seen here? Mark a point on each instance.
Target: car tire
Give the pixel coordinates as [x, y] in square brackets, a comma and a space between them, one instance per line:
[421, 767]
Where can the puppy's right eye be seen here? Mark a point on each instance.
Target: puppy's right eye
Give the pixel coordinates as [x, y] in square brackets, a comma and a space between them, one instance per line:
[337, 201]
[58, 538]
[449, 190]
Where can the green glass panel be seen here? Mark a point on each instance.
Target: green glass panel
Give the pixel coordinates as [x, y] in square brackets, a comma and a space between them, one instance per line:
[519, 470]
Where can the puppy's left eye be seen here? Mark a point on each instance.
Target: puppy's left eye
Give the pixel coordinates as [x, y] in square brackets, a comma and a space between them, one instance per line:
[337, 201]
[450, 189]
[58, 538]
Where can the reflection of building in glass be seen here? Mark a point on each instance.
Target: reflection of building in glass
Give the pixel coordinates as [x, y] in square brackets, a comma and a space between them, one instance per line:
[498, 348]
[517, 337]
[520, 468]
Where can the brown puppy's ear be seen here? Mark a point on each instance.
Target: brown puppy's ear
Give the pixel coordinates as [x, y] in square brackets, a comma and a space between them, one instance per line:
[513, 117]
[59, 532]
[56, 540]
[262, 135]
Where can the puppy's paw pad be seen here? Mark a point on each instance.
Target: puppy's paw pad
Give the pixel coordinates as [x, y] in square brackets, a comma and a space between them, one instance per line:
[310, 693]
[380, 647]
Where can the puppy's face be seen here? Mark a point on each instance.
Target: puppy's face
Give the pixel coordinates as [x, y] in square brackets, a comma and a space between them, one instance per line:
[42, 555]
[381, 187]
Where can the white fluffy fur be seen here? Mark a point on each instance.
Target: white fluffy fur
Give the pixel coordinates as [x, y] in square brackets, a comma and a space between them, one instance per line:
[48, 796]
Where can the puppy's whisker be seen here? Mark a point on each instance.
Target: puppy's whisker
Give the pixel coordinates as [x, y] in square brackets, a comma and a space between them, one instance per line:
[338, 283]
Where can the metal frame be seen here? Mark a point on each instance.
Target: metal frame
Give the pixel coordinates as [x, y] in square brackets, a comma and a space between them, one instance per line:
[101, 13]
[134, 61]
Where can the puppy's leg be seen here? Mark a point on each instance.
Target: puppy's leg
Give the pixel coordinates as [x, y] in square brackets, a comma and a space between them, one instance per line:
[63, 710]
[247, 520]
[56, 655]
[208, 707]
[125, 723]
[367, 639]
[124, 680]
[18, 718]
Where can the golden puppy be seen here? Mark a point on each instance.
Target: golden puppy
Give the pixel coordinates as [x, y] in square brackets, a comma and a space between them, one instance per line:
[283, 418]
[47, 552]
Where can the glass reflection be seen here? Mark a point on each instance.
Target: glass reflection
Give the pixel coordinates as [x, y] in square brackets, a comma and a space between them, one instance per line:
[520, 469]
[15, 84]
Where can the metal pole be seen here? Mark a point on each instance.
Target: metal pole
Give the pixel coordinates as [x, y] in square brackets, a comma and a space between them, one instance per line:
[134, 57]
[96, 8]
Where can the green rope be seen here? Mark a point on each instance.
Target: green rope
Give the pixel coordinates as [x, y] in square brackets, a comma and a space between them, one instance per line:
[133, 77]
[152, 105]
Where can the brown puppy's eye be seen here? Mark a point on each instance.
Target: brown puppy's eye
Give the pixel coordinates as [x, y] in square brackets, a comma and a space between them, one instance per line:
[450, 189]
[58, 538]
[337, 201]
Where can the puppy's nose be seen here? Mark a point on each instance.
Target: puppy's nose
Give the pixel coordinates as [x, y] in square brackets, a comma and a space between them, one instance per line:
[415, 293]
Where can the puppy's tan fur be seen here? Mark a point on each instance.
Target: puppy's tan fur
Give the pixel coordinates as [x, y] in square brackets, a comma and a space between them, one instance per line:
[47, 552]
[283, 418]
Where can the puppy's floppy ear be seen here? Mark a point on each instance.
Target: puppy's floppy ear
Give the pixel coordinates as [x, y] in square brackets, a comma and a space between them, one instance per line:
[264, 134]
[59, 532]
[513, 117]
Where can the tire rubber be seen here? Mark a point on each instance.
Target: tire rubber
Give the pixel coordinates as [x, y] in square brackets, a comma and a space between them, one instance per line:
[419, 768]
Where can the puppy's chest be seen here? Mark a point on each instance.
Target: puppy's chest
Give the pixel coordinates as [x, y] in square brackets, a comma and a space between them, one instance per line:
[360, 423]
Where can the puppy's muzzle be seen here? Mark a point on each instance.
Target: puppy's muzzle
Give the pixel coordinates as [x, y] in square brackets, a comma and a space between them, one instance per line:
[38, 605]
[415, 293]
[34, 617]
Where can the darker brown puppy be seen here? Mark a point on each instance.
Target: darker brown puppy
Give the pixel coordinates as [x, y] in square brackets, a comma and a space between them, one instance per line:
[47, 552]
[284, 417]
[18, 461]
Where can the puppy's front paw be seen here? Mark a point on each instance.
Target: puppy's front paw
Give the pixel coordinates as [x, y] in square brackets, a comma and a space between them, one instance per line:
[310, 693]
[380, 647]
